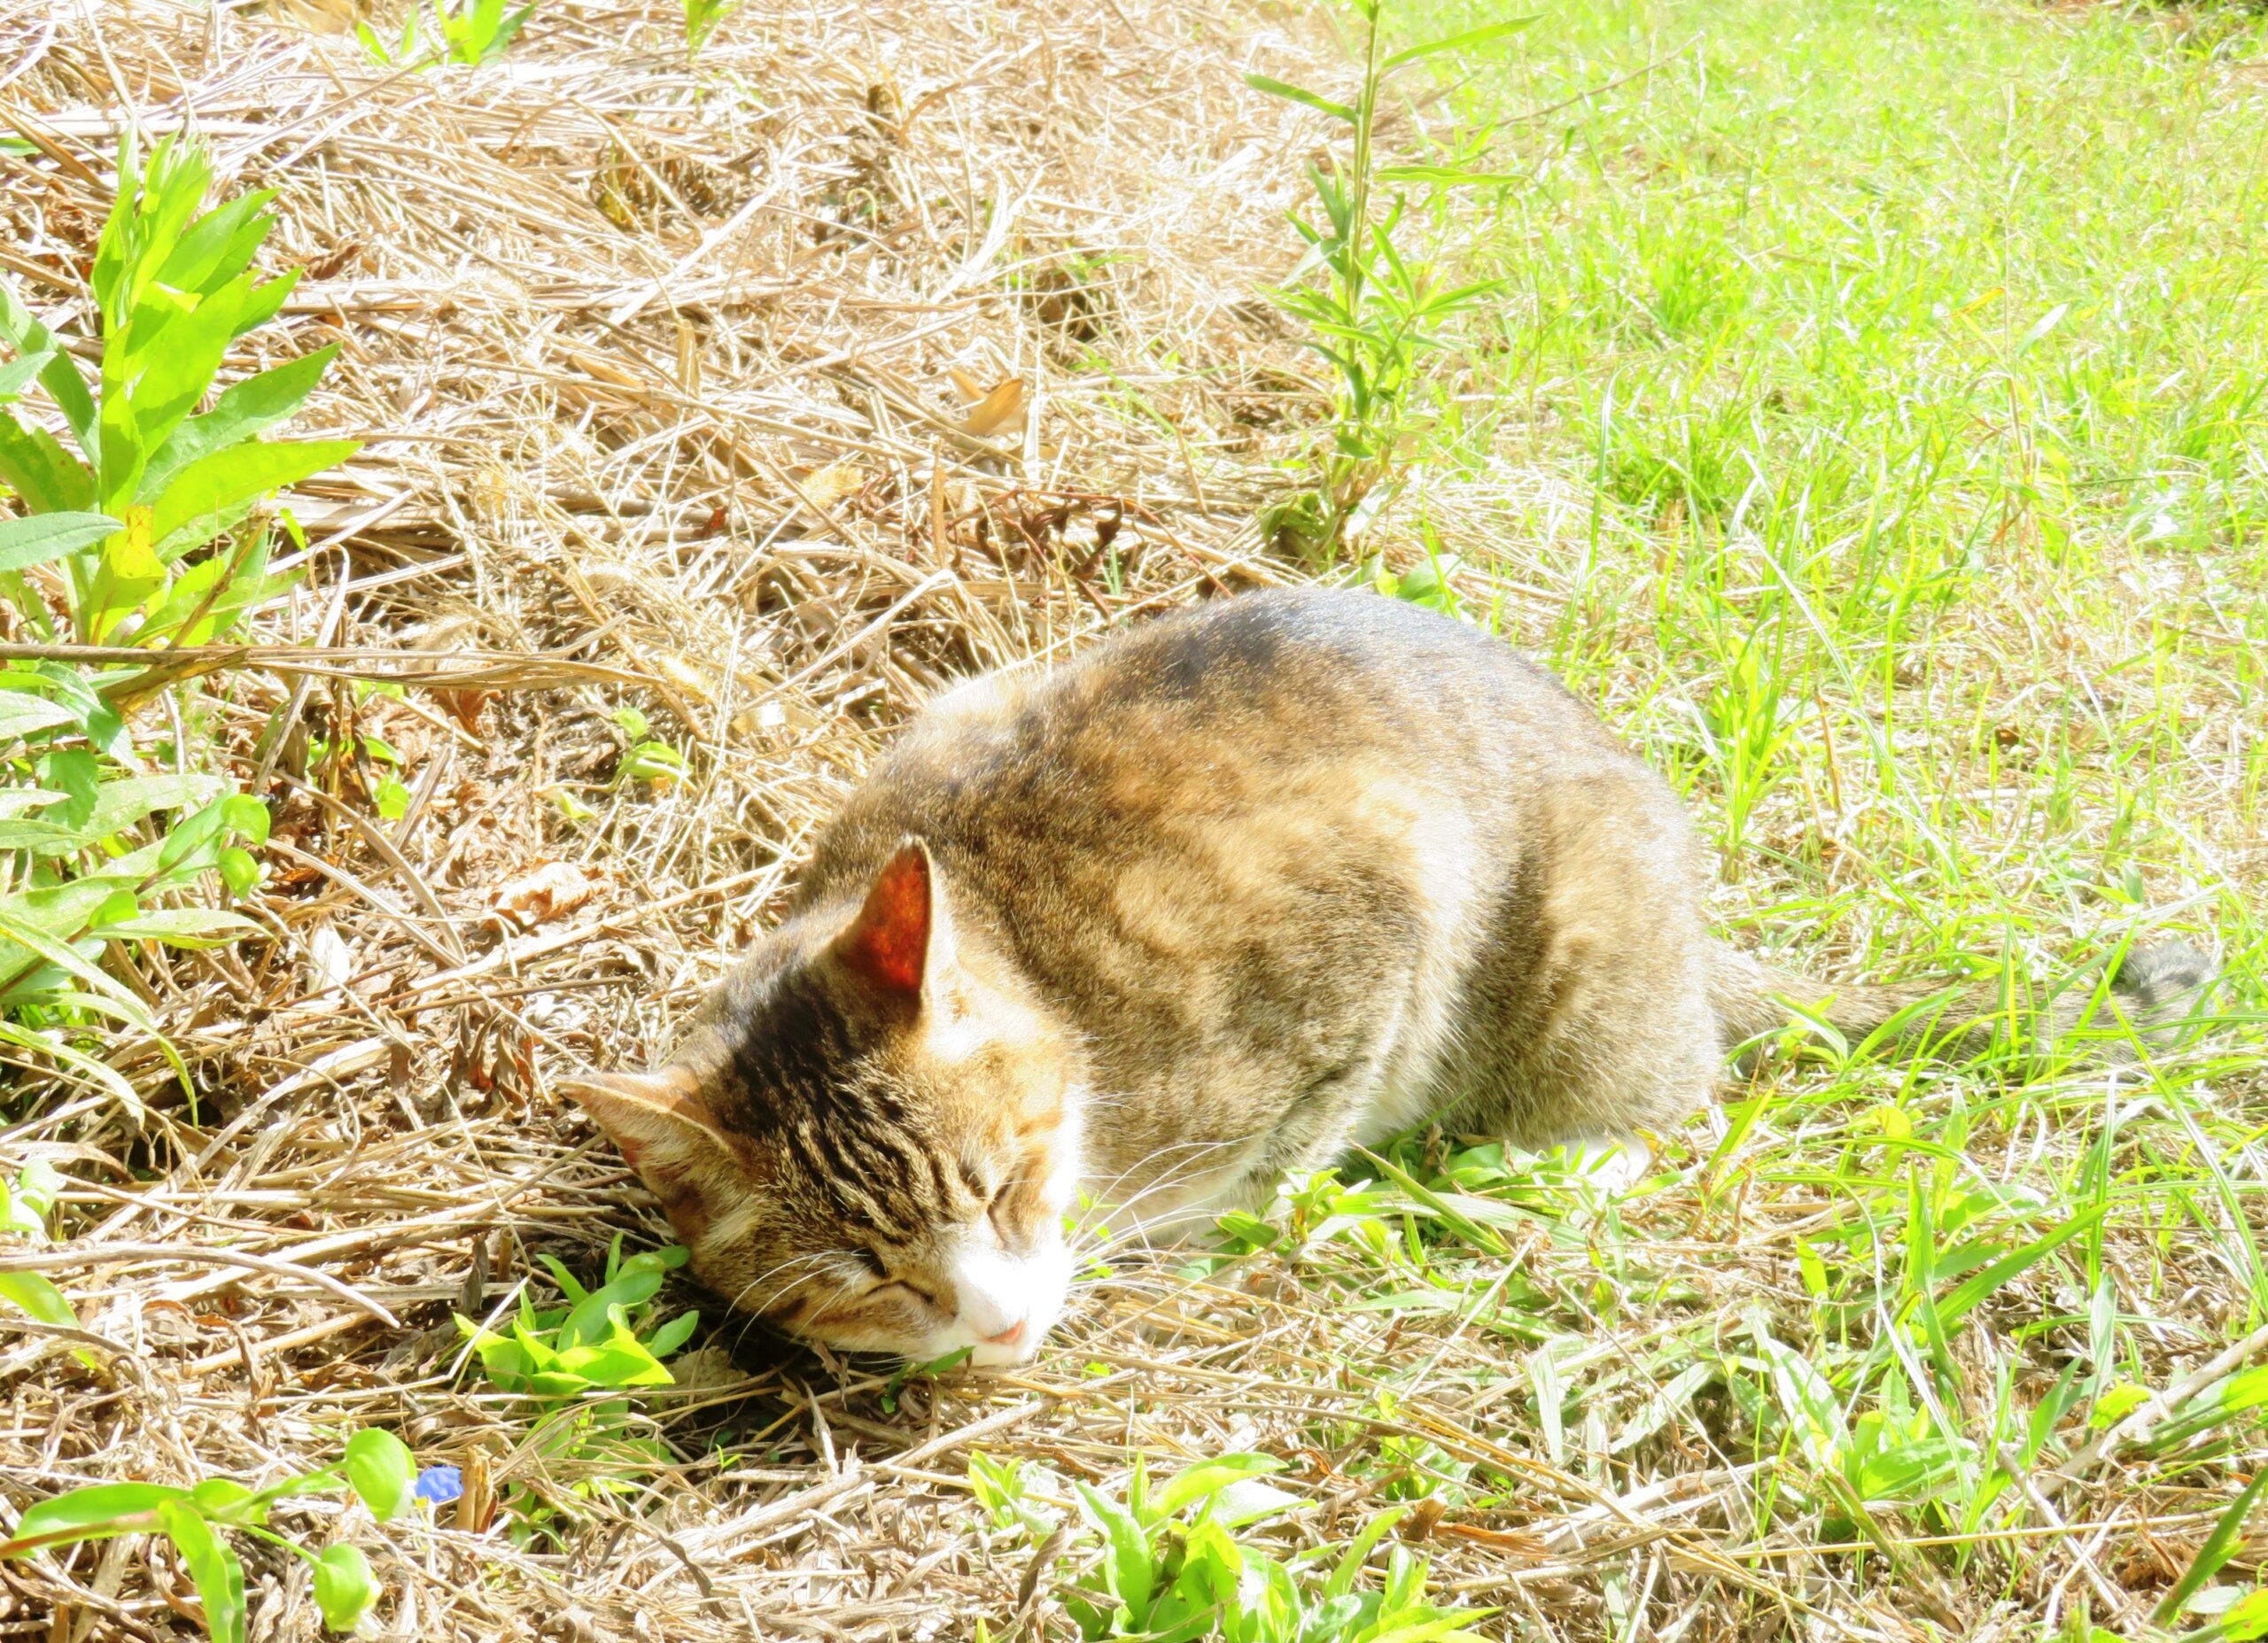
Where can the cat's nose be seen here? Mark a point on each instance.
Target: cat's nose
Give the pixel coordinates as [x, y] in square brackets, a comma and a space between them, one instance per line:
[1009, 1337]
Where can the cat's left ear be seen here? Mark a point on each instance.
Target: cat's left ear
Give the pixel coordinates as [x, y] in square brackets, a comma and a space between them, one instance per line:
[902, 941]
[659, 1121]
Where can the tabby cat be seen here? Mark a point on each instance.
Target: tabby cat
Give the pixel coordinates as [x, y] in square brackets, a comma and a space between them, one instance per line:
[1228, 895]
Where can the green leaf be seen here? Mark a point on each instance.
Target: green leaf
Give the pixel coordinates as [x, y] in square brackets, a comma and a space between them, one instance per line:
[247, 817]
[618, 1363]
[243, 409]
[219, 246]
[41, 537]
[95, 1513]
[2247, 1618]
[1808, 1399]
[59, 376]
[1204, 1480]
[220, 1578]
[120, 804]
[224, 1500]
[1969, 1291]
[191, 833]
[182, 357]
[214, 491]
[27, 933]
[17, 375]
[345, 1587]
[382, 1471]
[240, 870]
[34, 465]
[1291, 93]
[1450, 176]
[195, 928]
[1350, 1567]
[23, 714]
[640, 1279]
[1128, 1565]
[37, 1297]
[1463, 41]
[2223, 1543]
[673, 1334]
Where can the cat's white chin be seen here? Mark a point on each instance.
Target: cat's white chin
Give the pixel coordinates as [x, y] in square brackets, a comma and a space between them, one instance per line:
[1009, 1303]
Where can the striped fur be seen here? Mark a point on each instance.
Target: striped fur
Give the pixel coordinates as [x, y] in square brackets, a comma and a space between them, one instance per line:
[1227, 894]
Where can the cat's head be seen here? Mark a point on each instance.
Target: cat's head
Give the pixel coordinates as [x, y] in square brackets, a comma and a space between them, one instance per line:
[871, 1140]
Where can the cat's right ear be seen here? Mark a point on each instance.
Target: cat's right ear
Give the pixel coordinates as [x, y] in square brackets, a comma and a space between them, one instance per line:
[658, 1120]
[901, 940]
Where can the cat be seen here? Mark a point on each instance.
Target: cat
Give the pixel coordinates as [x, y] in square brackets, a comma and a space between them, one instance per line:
[1228, 894]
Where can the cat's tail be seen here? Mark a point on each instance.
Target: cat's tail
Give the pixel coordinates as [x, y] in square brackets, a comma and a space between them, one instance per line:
[2154, 991]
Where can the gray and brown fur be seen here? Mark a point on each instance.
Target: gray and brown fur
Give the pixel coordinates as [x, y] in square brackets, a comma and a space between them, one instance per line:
[1246, 887]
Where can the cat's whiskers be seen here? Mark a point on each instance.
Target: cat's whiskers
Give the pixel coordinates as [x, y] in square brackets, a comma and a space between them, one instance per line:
[1083, 1245]
[813, 1260]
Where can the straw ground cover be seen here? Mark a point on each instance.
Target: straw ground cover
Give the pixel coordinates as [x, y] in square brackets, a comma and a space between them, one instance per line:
[1872, 423]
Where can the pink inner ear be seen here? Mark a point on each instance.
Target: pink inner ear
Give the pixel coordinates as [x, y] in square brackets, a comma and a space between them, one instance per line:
[889, 942]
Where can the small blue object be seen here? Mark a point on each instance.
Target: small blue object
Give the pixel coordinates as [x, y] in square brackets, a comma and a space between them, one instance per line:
[440, 1485]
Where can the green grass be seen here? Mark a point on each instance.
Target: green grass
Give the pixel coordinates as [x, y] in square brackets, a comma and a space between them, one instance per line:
[1910, 363]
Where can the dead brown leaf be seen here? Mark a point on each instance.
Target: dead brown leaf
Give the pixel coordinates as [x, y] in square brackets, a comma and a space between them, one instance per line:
[549, 891]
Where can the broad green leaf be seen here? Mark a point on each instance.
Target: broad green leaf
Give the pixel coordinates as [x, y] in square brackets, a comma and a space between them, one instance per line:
[1129, 1564]
[126, 572]
[1350, 1567]
[1276, 88]
[1463, 41]
[214, 491]
[191, 833]
[120, 804]
[225, 1500]
[220, 1578]
[15, 800]
[181, 362]
[214, 250]
[345, 1587]
[23, 714]
[239, 870]
[18, 372]
[35, 1297]
[38, 538]
[59, 376]
[673, 1334]
[94, 1513]
[65, 957]
[265, 301]
[1203, 1480]
[569, 1285]
[636, 1284]
[621, 1361]
[1808, 1400]
[381, 1469]
[1248, 1501]
[60, 911]
[118, 468]
[247, 817]
[2247, 1618]
[34, 465]
[243, 409]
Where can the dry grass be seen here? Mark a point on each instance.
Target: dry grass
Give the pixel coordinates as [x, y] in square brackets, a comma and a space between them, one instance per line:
[655, 370]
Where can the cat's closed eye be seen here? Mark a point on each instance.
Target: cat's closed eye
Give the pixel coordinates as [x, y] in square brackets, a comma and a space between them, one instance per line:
[883, 1285]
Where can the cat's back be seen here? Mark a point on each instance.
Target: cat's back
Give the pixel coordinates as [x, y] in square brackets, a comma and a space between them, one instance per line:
[1291, 713]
